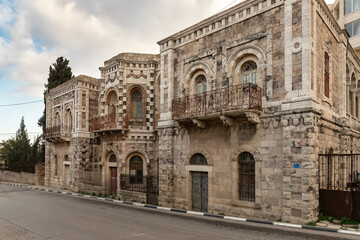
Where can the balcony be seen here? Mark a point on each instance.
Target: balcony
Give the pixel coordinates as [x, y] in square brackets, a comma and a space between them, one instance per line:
[110, 122]
[57, 134]
[224, 103]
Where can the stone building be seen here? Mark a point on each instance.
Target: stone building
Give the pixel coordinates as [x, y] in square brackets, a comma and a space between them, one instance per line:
[347, 13]
[230, 117]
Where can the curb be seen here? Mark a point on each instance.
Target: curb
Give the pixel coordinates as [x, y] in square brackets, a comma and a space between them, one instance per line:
[289, 225]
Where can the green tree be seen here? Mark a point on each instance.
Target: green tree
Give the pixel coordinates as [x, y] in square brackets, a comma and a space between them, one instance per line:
[22, 143]
[59, 72]
[20, 150]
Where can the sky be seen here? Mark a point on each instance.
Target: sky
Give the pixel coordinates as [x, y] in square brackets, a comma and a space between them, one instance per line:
[87, 32]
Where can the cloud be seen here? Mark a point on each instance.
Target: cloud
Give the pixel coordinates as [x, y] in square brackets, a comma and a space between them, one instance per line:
[34, 33]
[85, 32]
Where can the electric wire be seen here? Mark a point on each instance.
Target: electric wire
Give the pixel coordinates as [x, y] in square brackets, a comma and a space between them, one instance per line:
[228, 5]
[18, 104]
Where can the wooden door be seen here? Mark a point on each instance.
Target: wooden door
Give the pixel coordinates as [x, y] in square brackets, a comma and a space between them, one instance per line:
[67, 175]
[200, 191]
[113, 181]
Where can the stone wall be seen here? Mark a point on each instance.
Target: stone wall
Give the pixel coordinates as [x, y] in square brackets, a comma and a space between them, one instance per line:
[22, 177]
[37, 178]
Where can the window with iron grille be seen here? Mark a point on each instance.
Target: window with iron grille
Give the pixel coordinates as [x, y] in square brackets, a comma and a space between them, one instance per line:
[200, 84]
[198, 159]
[112, 158]
[136, 170]
[249, 72]
[136, 104]
[246, 177]
[327, 75]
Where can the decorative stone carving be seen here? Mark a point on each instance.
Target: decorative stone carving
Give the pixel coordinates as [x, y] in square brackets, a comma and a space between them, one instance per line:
[199, 123]
[252, 117]
[227, 120]
[136, 76]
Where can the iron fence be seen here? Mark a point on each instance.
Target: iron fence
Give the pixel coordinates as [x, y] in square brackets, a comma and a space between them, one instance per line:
[145, 184]
[18, 167]
[246, 96]
[339, 171]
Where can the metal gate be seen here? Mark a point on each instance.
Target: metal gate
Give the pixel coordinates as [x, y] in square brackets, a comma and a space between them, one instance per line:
[152, 190]
[339, 185]
[200, 191]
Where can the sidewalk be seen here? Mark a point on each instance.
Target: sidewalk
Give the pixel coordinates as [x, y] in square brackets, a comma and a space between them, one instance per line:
[323, 226]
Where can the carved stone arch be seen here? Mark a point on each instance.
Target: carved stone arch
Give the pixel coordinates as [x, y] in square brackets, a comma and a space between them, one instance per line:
[143, 155]
[246, 148]
[236, 56]
[237, 59]
[108, 91]
[193, 67]
[192, 72]
[202, 151]
[57, 111]
[112, 150]
[140, 152]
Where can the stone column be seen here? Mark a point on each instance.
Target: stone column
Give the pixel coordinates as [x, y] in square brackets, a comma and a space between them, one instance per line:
[300, 168]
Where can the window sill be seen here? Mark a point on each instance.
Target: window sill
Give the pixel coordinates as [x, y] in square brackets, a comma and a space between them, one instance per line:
[239, 203]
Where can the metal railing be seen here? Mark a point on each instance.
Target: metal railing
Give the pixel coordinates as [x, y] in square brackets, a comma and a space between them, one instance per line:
[108, 122]
[237, 97]
[18, 167]
[339, 171]
[57, 131]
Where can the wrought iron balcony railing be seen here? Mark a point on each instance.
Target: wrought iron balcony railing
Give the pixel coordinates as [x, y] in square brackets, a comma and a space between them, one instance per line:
[238, 97]
[57, 132]
[109, 122]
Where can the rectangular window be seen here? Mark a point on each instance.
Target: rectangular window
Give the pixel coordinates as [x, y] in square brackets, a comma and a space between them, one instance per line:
[349, 29]
[356, 28]
[246, 78]
[353, 28]
[253, 78]
[348, 6]
[351, 6]
[139, 110]
[327, 75]
[356, 5]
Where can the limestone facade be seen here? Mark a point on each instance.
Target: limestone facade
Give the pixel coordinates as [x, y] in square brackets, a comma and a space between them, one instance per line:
[229, 118]
[347, 13]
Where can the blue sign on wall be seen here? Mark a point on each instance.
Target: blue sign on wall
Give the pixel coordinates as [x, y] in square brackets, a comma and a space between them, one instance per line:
[296, 165]
[165, 163]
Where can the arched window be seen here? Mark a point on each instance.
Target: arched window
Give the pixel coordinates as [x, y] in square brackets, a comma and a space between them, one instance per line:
[66, 158]
[136, 104]
[112, 158]
[200, 82]
[111, 101]
[326, 75]
[198, 159]
[246, 177]
[68, 120]
[249, 72]
[57, 119]
[136, 170]
[56, 165]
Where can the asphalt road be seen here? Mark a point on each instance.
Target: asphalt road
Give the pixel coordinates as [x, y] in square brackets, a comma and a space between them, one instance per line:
[28, 214]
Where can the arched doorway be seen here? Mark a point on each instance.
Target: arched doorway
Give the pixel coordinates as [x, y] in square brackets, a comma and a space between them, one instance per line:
[199, 184]
[113, 175]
